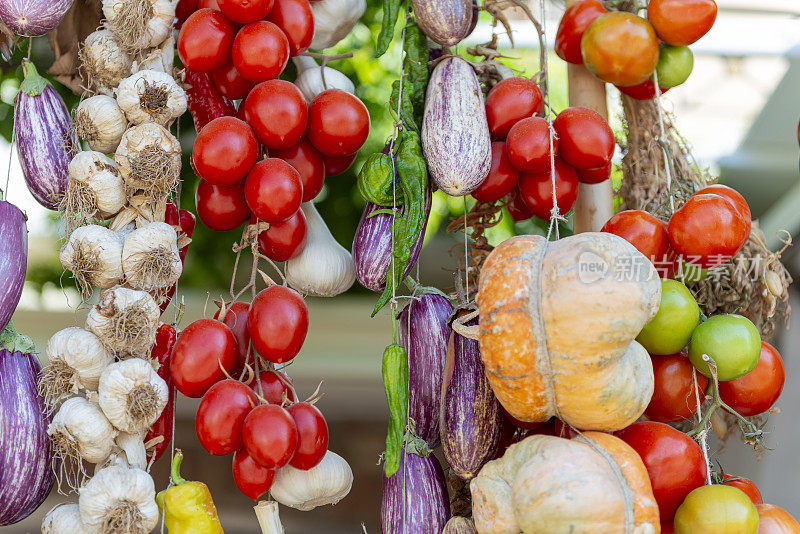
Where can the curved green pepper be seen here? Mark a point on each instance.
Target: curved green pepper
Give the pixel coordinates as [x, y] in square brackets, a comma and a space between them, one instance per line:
[376, 181]
[395, 382]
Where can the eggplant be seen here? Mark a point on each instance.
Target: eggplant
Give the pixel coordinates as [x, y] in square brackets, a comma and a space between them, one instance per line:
[25, 455]
[32, 18]
[45, 140]
[460, 525]
[455, 133]
[13, 259]
[446, 22]
[424, 333]
[470, 418]
[415, 498]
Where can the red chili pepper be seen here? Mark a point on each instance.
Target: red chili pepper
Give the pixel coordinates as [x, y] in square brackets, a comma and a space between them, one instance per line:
[205, 101]
[166, 335]
[183, 10]
[187, 222]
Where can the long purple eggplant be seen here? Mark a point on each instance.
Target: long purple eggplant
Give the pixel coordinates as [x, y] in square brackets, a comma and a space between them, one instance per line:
[25, 474]
[425, 508]
[13, 259]
[44, 137]
[424, 333]
[32, 18]
[445, 21]
[470, 418]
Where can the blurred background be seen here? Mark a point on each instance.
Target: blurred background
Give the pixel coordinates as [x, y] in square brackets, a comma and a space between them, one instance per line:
[739, 111]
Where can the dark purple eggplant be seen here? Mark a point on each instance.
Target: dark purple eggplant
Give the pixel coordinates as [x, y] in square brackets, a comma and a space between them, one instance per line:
[44, 137]
[470, 418]
[425, 508]
[424, 334]
[460, 525]
[13, 259]
[446, 22]
[32, 18]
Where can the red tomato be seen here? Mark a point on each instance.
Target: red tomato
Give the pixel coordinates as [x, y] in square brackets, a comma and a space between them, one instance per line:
[221, 208]
[644, 91]
[205, 40]
[708, 230]
[642, 230]
[510, 101]
[201, 349]
[338, 123]
[244, 11]
[744, 484]
[576, 19]
[313, 432]
[273, 190]
[681, 22]
[270, 435]
[536, 190]
[502, 177]
[278, 323]
[758, 390]
[225, 150]
[775, 520]
[296, 20]
[211, 4]
[236, 319]
[231, 83]
[278, 113]
[585, 138]
[667, 528]
[734, 196]
[260, 51]
[221, 414]
[528, 145]
[252, 478]
[673, 460]
[336, 165]
[516, 207]
[674, 392]
[284, 240]
[308, 162]
[594, 176]
[275, 387]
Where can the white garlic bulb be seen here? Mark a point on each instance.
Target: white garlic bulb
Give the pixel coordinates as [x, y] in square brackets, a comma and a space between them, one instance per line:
[326, 483]
[95, 187]
[268, 517]
[100, 122]
[131, 445]
[149, 159]
[120, 496]
[131, 394]
[151, 96]
[63, 519]
[140, 23]
[81, 430]
[161, 58]
[104, 61]
[324, 268]
[311, 81]
[334, 20]
[94, 255]
[77, 359]
[125, 320]
[150, 257]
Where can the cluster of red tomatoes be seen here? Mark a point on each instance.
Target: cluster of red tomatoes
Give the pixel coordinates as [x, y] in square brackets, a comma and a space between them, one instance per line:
[582, 147]
[625, 49]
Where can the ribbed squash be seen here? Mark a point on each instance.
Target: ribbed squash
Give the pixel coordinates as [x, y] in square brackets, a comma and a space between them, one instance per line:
[557, 328]
[592, 484]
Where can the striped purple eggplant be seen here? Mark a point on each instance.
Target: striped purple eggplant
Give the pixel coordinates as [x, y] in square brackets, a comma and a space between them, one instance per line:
[424, 333]
[425, 508]
[445, 21]
[470, 418]
[44, 137]
[460, 525]
[32, 18]
[13, 259]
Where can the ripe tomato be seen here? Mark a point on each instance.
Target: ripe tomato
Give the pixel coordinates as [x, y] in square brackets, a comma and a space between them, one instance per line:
[510, 101]
[576, 19]
[673, 460]
[744, 484]
[594, 176]
[516, 207]
[734, 196]
[278, 113]
[284, 240]
[677, 317]
[775, 520]
[201, 349]
[236, 319]
[308, 162]
[528, 145]
[313, 432]
[681, 22]
[708, 230]
[273, 190]
[732, 341]
[221, 414]
[225, 150]
[716, 509]
[252, 478]
[245, 11]
[667, 528]
[644, 91]
[211, 4]
[585, 138]
[536, 190]
[675, 64]
[270, 435]
[260, 51]
[221, 208]
[620, 48]
[502, 177]
[231, 83]
[758, 390]
[296, 20]
[278, 323]
[205, 40]
[338, 123]
[336, 165]
[674, 396]
[642, 230]
[275, 387]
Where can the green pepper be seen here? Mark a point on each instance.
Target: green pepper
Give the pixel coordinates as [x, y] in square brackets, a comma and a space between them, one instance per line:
[391, 9]
[415, 79]
[395, 382]
[187, 507]
[376, 181]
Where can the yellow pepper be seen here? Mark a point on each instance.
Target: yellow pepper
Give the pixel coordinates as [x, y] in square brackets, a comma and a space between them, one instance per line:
[189, 506]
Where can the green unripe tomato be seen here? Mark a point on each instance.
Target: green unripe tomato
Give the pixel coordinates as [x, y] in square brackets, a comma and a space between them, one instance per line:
[731, 340]
[691, 274]
[716, 509]
[671, 329]
[675, 64]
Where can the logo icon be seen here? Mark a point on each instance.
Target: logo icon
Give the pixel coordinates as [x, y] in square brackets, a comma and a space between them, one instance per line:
[591, 267]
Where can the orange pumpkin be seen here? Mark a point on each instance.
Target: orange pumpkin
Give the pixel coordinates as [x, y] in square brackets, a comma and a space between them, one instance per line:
[775, 520]
[557, 328]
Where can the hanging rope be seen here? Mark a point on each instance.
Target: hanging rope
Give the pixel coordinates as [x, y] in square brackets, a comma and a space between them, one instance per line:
[555, 215]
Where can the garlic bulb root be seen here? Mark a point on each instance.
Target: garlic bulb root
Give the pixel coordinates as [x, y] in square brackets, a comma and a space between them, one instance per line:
[63, 518]
[268, 517]
[100, 122]
[150, 257]
[151, 96]
[149, 160]
[132, 395]
[132, 447]
[95, 189]
[104, 61]
[140, 23]
[119, 499]
[125, 320]
[94, 255]
[326, 483]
